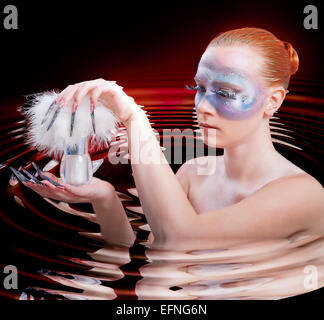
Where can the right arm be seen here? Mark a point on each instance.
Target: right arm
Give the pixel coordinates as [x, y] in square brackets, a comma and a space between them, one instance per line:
[114, 224]
[184, 173]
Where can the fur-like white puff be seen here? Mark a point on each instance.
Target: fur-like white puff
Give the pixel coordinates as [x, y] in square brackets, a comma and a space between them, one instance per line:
[51, 142]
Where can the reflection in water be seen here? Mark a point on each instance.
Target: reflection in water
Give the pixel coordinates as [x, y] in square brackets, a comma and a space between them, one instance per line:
[60, 254]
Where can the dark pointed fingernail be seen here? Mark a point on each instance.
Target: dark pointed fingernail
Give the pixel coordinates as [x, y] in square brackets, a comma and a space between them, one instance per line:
[92, 107]
[72, 123]
[49, 179]
[32, 177]
[35, 166]
[48, 111]
[57, 111]
[20, 176]
[43, 176]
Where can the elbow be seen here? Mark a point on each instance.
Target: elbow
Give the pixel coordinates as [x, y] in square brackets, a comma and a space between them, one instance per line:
[171, 244]
[174, 237]
[120, 239]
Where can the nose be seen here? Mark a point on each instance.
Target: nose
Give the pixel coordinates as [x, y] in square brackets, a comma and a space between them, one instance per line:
[204, 107]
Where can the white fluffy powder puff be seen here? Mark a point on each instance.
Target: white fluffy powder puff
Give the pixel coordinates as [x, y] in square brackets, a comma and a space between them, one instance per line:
[51, 142]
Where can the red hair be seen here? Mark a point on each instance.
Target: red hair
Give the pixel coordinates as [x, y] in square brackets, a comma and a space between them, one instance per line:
[280, 58]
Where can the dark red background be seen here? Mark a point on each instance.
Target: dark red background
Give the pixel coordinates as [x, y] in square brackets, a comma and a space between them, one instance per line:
[146, 42]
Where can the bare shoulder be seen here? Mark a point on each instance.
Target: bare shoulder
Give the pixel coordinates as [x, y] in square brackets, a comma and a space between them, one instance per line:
[199, 166]
[195, 170]
[300, 195]
[298, 181]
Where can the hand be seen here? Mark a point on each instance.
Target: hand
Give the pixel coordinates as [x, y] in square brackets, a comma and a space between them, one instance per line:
[95, 191]
[110, 93]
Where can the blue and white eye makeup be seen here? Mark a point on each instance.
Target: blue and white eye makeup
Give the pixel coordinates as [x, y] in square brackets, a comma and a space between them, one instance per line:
[231, 92]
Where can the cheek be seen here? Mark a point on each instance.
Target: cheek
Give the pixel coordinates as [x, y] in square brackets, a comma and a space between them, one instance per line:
[236, 131]
[232, 132]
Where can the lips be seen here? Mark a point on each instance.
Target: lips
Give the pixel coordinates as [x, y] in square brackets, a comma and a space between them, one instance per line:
[207, 126]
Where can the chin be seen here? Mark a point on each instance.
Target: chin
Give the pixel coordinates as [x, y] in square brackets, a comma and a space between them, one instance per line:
[211, 142]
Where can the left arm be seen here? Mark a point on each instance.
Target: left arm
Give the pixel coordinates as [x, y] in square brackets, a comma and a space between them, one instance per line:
[280, 208]
[163, 199]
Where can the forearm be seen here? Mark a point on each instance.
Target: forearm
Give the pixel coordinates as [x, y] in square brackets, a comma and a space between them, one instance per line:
[114, 223]
[165, 204]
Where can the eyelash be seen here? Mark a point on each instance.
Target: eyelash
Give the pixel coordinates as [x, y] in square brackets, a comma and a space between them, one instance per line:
[222, 92]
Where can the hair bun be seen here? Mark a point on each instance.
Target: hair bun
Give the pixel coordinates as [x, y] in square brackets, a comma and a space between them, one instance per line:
[293, 57]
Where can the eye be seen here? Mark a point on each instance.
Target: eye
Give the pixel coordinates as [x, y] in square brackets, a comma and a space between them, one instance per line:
[197, 88]
[226, 94]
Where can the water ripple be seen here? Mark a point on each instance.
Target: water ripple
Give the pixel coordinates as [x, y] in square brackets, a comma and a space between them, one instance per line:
[60, 253]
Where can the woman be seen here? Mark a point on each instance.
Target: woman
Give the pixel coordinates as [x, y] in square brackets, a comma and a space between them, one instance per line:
[254, 193]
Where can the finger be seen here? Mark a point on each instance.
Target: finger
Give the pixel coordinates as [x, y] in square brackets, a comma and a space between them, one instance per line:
[19, 175]
[70, 93]
[96, 91]
[56, 184]
[95, 94]
[30, 176]
[69, 99]
[29, 184]
[66, 94]
[49, 185]
[103, 86]
[48, 190]
[40, 189]
[52, 176]
[82, 92]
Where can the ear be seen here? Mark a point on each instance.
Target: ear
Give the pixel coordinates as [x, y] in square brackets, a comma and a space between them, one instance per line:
[275, 98]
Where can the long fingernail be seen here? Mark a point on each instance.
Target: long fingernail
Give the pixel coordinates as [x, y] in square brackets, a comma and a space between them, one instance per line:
[72, 119]
[48, 111]
[43, 176]
[72, 123]
[92, 108]
[57, 111]
[39, 171]
[35, 166]
[32, 177]
[19, 176]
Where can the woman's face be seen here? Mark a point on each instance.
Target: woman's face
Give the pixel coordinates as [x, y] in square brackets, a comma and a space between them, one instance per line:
[230, 94]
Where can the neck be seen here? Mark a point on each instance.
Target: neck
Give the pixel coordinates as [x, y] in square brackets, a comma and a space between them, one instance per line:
[249, 159]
